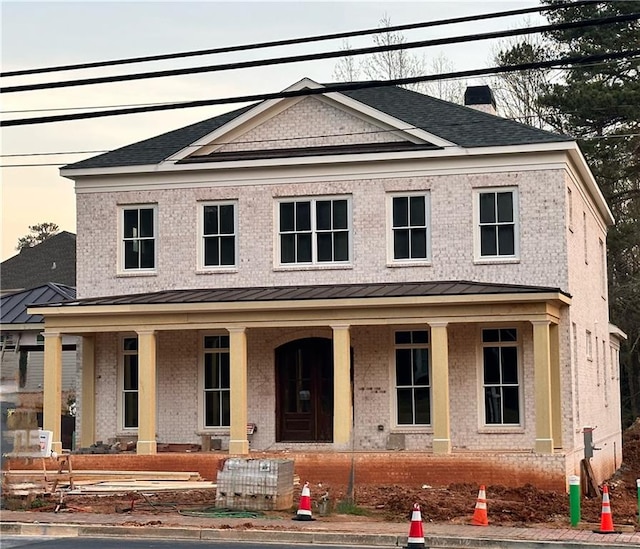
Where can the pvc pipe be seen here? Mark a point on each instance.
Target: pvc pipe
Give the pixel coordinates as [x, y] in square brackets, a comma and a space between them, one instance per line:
[574, 499]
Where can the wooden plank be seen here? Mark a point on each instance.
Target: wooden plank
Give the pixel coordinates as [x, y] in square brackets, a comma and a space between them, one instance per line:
[79, 474]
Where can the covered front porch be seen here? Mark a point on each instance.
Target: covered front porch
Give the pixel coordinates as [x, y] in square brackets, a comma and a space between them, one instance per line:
[338, 313]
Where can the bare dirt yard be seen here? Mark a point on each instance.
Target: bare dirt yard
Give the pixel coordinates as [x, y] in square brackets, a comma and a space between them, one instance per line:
[523, 506]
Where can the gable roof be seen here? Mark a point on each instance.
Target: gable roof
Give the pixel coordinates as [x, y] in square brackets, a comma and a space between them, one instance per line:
[13, 307]
[461, 125]
[53, 260]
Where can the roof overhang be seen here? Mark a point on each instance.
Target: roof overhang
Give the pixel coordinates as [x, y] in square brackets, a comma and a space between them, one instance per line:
[120, 314]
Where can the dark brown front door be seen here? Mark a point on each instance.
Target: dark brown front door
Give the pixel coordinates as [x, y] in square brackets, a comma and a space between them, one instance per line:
[304, 380]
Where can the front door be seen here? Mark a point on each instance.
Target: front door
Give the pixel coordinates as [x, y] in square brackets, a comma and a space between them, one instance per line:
[304, 380]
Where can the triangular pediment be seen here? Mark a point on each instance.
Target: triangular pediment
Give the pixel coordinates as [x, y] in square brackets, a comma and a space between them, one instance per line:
[330, 123]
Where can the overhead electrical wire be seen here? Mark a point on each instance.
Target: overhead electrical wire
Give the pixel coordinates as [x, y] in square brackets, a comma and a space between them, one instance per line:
[303, 40]
[575, 60]
[324, 55]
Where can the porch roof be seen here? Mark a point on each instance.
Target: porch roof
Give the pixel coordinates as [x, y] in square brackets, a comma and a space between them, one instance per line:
[312, 292]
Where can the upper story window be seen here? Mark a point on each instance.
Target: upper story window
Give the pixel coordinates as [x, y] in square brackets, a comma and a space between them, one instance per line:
[497, 223]
[219, 235]
[314, 231]
[410, 227]
[412, 378]
[501, 376]
[139, 238]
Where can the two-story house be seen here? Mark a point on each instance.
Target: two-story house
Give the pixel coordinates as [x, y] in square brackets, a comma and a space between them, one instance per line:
[365, 270]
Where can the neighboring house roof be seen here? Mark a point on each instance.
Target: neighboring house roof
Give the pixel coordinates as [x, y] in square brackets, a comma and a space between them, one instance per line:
[53, 260]
[461, 125]
[302, 293]
[13, 307]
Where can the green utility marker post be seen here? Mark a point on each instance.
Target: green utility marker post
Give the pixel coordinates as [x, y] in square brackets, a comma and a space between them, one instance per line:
[574, 499]
[638, 484]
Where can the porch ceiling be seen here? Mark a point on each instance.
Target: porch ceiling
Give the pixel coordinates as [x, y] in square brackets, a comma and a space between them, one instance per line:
[290, 306]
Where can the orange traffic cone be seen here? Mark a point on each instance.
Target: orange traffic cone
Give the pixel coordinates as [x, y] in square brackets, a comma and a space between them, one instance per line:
[606, 519]
[480, 513]
[416, 536]
[304, 508]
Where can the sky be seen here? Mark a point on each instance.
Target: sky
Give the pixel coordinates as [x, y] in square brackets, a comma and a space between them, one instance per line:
[41, 34]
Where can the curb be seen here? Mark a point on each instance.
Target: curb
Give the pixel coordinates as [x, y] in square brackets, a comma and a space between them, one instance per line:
[284, 536]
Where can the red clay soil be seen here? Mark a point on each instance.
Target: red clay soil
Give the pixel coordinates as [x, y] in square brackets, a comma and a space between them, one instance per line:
[522, 506]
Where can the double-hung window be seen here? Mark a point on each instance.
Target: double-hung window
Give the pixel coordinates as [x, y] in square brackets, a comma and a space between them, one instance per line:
[410, 227]
[412, 378]
[497, 223]
[138, 238]
[129, 383]
[219, 238]
[501, 376]
[216, 388]
[314, 231]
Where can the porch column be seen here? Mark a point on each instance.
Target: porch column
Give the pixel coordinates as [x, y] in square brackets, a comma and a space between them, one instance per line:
[556, 386]
[342, 405]
[238, 442]
[52, 401]
[440, 388]
[542, 382]
[146, 393]
[88, 409]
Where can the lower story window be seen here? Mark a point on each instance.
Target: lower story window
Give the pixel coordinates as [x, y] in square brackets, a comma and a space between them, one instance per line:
[501, 380]
[412, 378]
[216, 382]
[130, 382]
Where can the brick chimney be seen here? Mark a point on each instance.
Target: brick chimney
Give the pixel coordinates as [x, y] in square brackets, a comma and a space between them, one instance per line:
[480, 98]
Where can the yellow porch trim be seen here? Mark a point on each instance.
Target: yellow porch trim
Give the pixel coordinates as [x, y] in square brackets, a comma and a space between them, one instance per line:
[556, 385]
[52, 398]
[342, 405]
[147, 393]
[542, 381]
[88, 427]
[238, 442]
[440, 388]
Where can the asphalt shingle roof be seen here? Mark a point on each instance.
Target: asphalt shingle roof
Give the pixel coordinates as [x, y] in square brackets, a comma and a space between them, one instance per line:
[304, 293]
[461, 125]
[53, 260]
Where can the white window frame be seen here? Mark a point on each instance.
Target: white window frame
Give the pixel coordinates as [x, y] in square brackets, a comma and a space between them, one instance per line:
[391, 259]
[478, 257]
[121, 239]
[314, 263]
[202, 236]
[410, 427]
[121, 390]
[500, 427]
[201, 381]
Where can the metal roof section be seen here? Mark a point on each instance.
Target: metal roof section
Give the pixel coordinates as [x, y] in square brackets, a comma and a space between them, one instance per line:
[13, 307]
[312, 292]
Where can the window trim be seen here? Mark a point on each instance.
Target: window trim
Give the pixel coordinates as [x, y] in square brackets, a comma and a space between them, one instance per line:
[477, 253]
[405, 427]
[391, 260]
[488, 428]
[120, 384]
[314, 263]
[121, 270]
[202, 428]
[201, 267]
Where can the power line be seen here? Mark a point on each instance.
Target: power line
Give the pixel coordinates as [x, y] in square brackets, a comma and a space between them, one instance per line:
[579, 60]
[320, 56]
[293, 41]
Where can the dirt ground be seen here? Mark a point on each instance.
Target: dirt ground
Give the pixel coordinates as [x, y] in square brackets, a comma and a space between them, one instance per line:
[522, 506]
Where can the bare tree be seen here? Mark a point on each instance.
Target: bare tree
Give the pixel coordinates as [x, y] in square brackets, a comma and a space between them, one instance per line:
[449, 90]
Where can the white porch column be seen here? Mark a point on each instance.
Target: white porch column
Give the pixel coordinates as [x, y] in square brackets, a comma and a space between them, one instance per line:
[542, 382]
[440, 388]
[147, 389]
[238, 442]
[88, 409]
[52, 401]
[342, 405]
